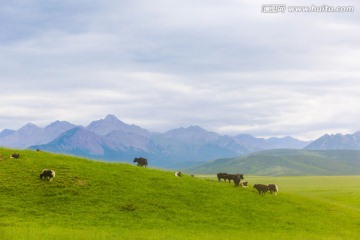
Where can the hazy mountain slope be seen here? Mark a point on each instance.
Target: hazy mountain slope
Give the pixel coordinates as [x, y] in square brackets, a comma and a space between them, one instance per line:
[285, 142]
[111, 123]
[81, 142]
[257, 144]
[31, 134]
[287, 162]
[54, 129]
[129, 140]
[6, 132]
[336, 142]
[22, 138]
[77, 140]
[194, 144]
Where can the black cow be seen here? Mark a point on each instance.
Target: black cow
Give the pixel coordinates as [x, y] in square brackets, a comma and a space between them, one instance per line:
[222, 176]
[142, 162]
[47, 174]
[15, 155]
[236, 178]
[262, 189]
[233, 176]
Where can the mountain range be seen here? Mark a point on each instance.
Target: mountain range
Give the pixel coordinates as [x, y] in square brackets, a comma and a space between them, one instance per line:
[110, 139]
[31, 134]
[336, 142]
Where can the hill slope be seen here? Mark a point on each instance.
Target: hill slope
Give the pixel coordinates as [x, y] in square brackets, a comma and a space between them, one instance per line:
[287, 163]
[97, 200]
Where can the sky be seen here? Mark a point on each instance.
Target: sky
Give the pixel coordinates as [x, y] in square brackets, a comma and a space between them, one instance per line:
[228, 66]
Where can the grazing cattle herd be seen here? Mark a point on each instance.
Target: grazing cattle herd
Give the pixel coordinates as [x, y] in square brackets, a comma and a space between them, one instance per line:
[261, 188]
[235, 177]
[48, 174]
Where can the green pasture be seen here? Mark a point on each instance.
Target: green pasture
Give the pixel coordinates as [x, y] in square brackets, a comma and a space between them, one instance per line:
[98, 200]
[343, 191]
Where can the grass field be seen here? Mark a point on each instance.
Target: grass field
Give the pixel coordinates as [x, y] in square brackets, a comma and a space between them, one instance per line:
[343, 191]
[97, 200]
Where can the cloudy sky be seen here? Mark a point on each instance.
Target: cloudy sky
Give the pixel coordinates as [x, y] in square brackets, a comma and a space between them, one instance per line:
[223, 65]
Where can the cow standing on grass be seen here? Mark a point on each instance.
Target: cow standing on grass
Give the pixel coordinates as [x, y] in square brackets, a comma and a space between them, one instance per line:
[222, 176]
[229, 177]
[273, 188]
[142, 162]
[47, 174]
[235, 177]
[262, 189]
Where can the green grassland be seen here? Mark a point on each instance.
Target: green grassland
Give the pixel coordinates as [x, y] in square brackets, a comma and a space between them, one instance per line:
[342, 191]
[97, 200]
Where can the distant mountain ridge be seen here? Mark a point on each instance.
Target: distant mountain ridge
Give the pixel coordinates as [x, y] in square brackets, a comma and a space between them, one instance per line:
[31, 134]
[113, 140]
[111, 123]
[258, 144]
[336, 142]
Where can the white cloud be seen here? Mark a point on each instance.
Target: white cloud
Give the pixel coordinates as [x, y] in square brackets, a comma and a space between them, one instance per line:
[222, 65]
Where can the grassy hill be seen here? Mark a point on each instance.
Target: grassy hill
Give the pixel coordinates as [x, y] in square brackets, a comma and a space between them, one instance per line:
[287, 162]
[97, 200]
